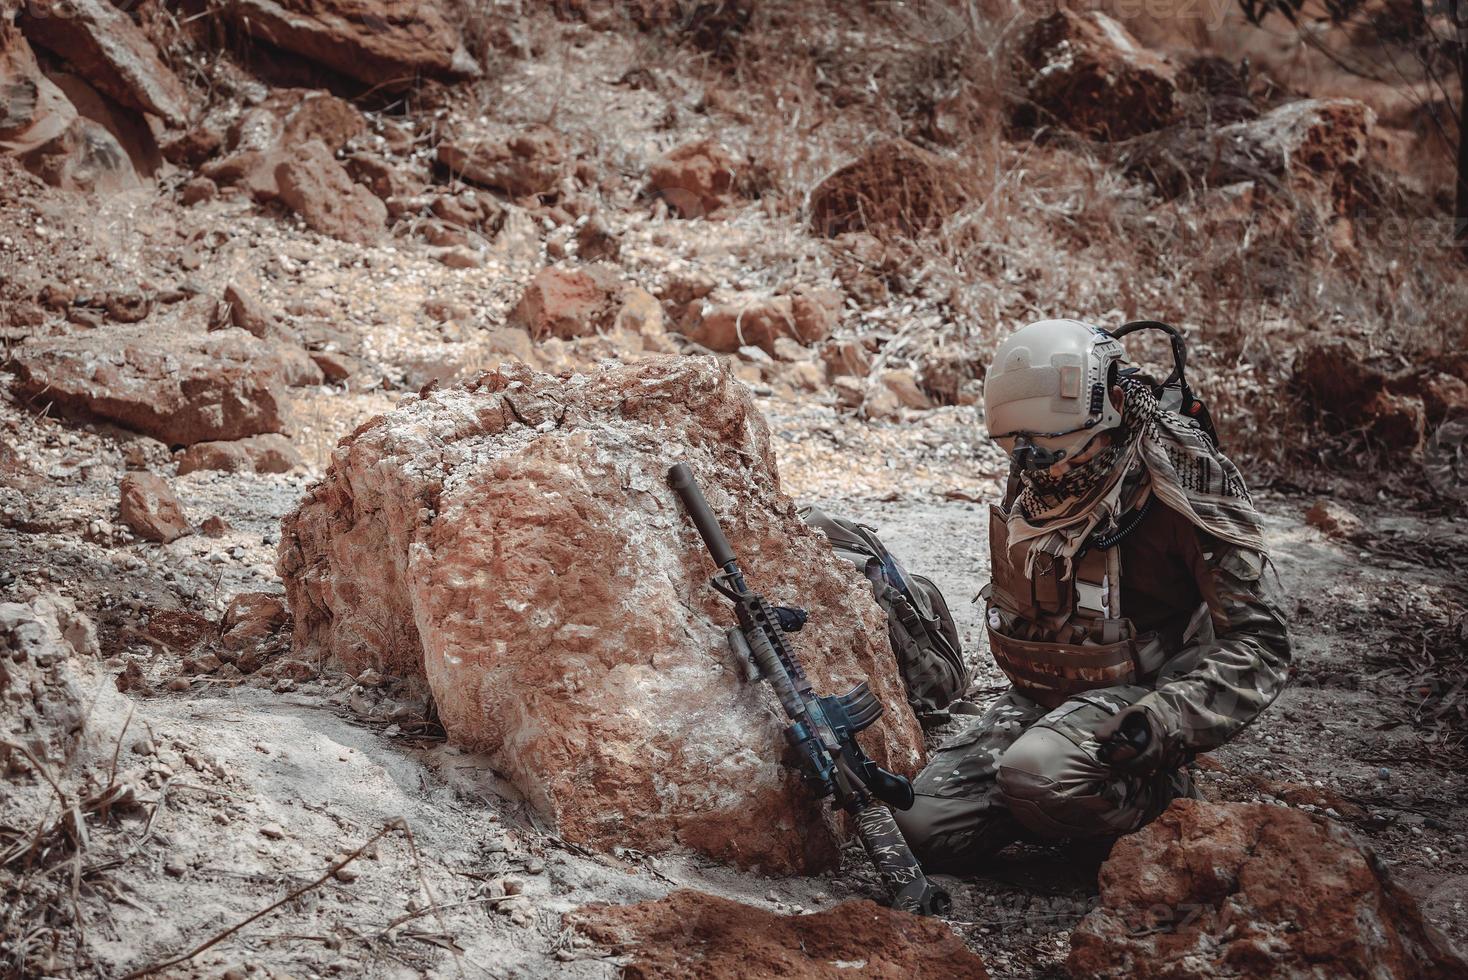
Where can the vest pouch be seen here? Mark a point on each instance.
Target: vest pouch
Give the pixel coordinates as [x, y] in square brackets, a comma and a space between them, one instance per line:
[1049, 673]
[1045, 593]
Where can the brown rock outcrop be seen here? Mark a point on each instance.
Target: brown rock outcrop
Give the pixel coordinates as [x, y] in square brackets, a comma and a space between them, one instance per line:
[252, 617]
[110, 51]
[522, 165]
[270, 452]
[147, 504]
[892, 188]
[1086, 71]
[181, 389]
[513, 540]
[86, 158]
[568, 302]
[692, 933]
[1247, 890]
[33, 111]
[1311, 142]
[807, 316]
[314, 185]
[385, 43]
[696, 179]
[1341, 391]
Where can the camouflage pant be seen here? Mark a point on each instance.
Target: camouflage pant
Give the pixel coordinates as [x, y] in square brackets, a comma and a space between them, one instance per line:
[1019, 771]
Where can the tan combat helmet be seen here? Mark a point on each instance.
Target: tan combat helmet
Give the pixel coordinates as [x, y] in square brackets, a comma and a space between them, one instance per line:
[1046, 393]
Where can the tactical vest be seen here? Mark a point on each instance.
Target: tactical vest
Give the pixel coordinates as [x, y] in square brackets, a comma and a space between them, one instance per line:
[1061, 631]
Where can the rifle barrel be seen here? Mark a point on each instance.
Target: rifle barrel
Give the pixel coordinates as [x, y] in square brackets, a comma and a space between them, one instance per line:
[680, 477]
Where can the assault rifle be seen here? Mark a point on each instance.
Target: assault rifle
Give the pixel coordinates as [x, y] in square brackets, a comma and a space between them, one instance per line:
[822, 730]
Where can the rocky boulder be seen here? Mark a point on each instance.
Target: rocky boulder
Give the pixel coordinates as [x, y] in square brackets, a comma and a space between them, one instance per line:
[696, 179]
[1248, 890]
[1311, 143]
[44, 709]
[251, 618]
[148, 505]
[318, 188]
[1342, 392]
[107, 49]
[806, 316]
[387, 44]
[267, 453]
[522, 165]
[1085, 71]
[892, 188]
[691, 933]
[566, 302]
[178, 388]
[513, 541]
[86, 158]
[33, 111]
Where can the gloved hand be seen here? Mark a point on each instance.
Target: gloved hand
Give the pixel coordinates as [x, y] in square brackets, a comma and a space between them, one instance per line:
[1136, 742]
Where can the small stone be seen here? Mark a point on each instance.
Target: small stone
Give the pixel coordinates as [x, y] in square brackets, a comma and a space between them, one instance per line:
[177, 684]
[514, 886]
[347, 873]
[272, 831]
[173, 869]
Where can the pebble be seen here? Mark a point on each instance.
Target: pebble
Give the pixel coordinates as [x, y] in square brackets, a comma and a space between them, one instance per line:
[272, 831]
[1383, 773]
[174, 869]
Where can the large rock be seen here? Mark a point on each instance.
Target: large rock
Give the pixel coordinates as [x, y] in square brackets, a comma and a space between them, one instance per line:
[386, 43]
[265, 136]
[270, 452]
[42, 706]
[694, 934]
[1085, 71]
[568, 302]
[696, 179]
[1248, 890]
[86, 158]
[522, 165]
[513, 540]
[110, 51]
[1311, 142]
[894, 187]
[1342, 392]
[33, 111]
[807, 317]
[318, 188]
[181, 389]
[148, 505]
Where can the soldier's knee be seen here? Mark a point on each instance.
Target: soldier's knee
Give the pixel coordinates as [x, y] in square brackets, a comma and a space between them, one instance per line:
[953, 834]
[1054, 788]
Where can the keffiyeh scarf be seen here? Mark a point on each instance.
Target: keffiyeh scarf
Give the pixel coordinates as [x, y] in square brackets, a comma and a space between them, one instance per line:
[1155, 450]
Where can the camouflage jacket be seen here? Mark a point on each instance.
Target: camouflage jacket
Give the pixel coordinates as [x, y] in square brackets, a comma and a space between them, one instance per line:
[1230, 664]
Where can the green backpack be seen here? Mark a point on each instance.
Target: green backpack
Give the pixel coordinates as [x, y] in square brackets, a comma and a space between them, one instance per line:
[923, 635]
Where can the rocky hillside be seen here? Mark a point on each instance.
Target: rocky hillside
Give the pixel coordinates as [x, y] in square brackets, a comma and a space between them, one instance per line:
[345, 344]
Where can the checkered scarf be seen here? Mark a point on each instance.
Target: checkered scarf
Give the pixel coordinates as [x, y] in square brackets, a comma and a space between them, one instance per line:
[1155, 449]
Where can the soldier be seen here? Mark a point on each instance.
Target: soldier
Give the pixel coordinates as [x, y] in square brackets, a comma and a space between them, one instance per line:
[1127, 606]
